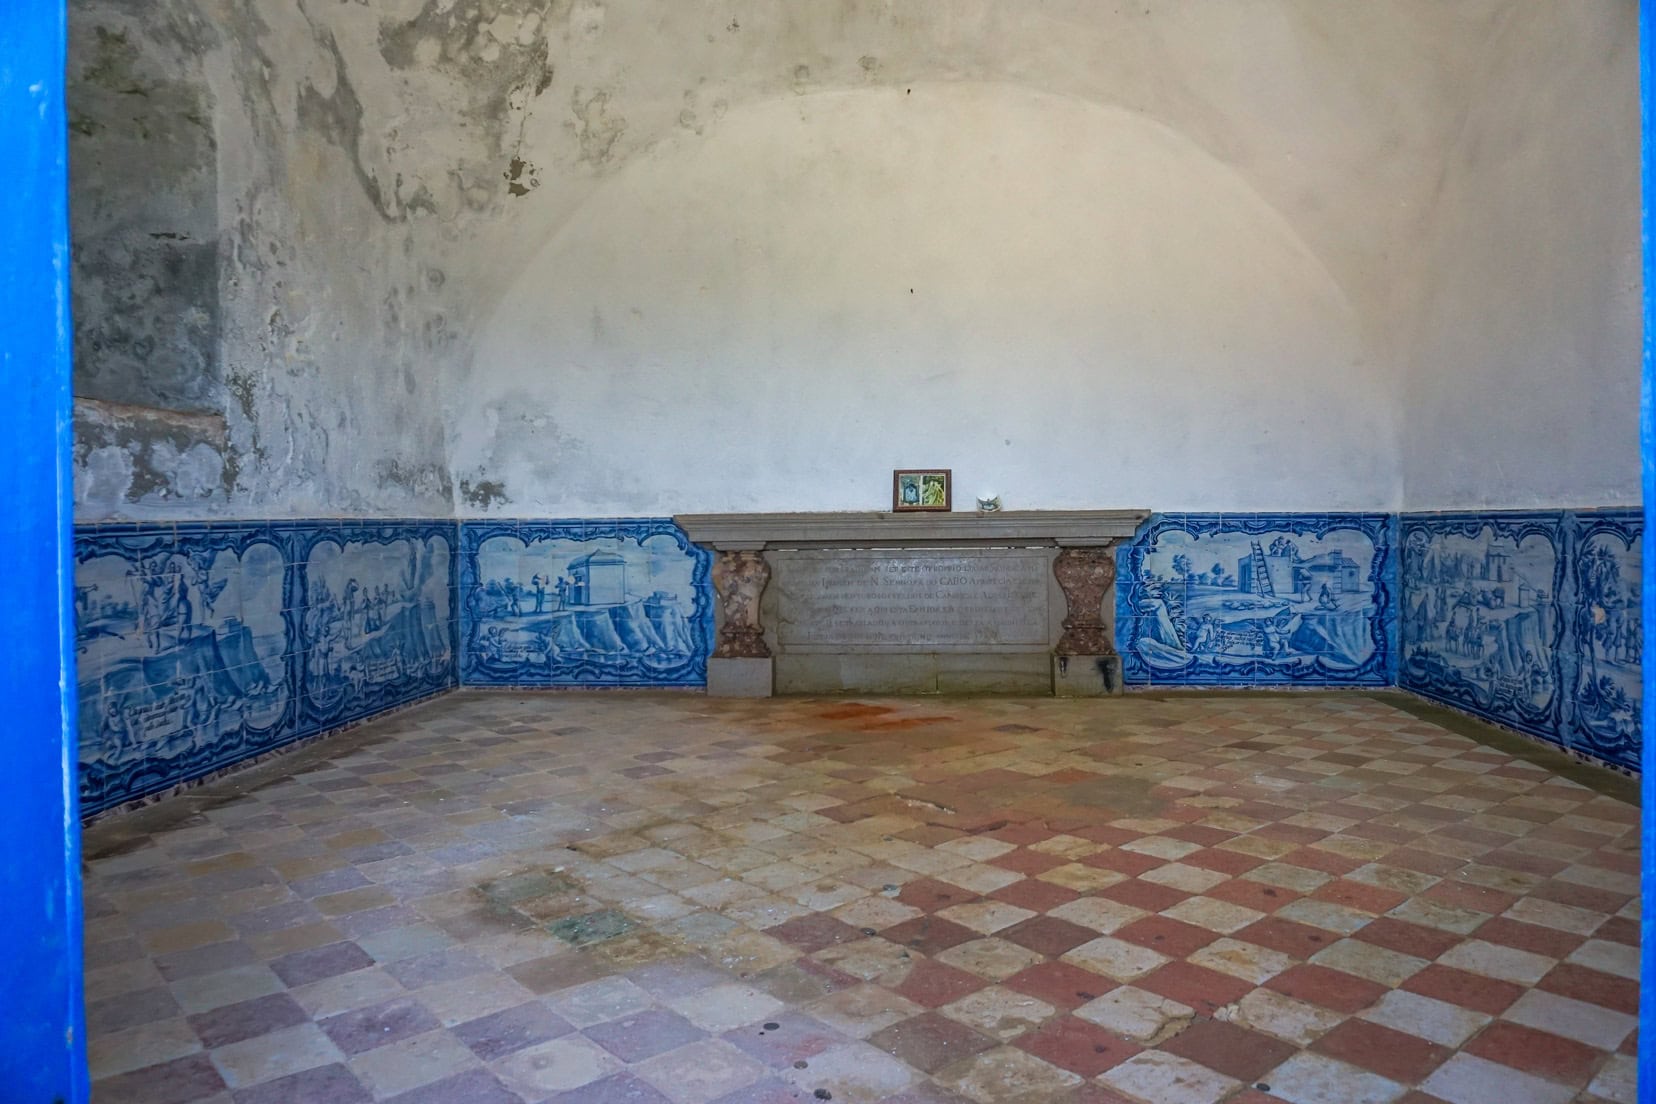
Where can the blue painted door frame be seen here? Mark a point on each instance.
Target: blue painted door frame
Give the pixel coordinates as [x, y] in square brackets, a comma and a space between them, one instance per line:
[42, 1029]
[1647, 459]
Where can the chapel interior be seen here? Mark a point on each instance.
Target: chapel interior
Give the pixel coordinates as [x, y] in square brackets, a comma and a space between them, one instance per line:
[506, 671]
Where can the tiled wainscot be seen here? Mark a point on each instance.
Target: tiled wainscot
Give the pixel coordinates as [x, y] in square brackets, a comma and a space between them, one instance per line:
[202, 645]
[584, 603]
[1252, 600]
[1531, 620]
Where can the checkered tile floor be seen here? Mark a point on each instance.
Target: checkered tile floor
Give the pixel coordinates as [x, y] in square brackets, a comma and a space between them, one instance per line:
[648, 898]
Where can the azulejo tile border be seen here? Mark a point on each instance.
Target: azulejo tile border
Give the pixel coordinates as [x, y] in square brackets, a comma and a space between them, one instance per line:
[202, 645]
[624, 602]
[1258, 600]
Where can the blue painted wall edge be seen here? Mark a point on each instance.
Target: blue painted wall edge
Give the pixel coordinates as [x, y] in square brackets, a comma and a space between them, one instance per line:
[42, 1035]
[1647, 456]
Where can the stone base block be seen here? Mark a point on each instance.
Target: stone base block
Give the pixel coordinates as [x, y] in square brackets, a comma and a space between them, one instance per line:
[739, 678]
[1089, 676]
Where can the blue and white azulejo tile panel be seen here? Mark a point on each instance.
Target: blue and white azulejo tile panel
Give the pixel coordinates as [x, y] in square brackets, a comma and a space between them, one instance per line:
[201, 645]
[1483, 624]
[378, 621]
[182, 651]
[1260, 599]
[1603, 672]
[584, 603]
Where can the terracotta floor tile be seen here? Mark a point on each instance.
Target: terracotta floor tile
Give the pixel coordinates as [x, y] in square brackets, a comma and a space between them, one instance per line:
[1225, 862]
[1035, 895]
[1060, 984]
[1537, 1052]
[1529, 937]
[1251, 894]
[1474, 991]
[1619, 929]
[1360, 895]
[1025, 861]
[1233, 1051]
[1077, 1046]
[183, 1081]
[1202, 989]
[929, 894]
[929, 934]
[1475, 897]
[930, 1041]
[1299, 940]
[1170, 937]
[814, 932]
[1130, 863]
[1047, 935]
[931, 984]
[1405, 1058]
[1593, 986]
[1406, 938]
[1327, 988]
[1144, 895]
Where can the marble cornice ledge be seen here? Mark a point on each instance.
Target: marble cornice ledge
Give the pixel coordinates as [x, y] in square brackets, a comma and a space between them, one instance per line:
[872, 529]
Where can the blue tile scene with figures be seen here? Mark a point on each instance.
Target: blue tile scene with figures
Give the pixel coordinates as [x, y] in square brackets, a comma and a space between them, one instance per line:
[581, 603]
[1270, 599]
[1531, 620]
[199, 646]
[1481, 615]
[1604, 676]
[378, 624]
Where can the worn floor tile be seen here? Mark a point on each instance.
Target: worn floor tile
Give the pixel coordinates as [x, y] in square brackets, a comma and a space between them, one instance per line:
[669, 899]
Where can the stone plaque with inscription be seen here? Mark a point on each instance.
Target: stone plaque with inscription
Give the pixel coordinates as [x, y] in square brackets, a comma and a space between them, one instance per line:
[908, 600]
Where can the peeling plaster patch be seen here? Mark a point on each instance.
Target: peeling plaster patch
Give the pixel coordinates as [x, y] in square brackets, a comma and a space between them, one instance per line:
[429, 479]
[129, 455]
[484, 493]
[195, 472]
[336, 116]
[491, 48]
[512, 441]
[595, 128]
[103, 476]
[521, 177]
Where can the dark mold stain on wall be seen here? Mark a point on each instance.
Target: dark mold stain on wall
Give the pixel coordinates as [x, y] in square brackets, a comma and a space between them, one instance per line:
[338, 118]
[484, 493]
[460, 39]
[521, 177]
[144, 209]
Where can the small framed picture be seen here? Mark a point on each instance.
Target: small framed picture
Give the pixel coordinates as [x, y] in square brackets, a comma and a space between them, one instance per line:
[920, 489]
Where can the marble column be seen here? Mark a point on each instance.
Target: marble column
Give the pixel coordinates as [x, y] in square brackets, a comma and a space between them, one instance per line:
[1085, 663]
[741, 664]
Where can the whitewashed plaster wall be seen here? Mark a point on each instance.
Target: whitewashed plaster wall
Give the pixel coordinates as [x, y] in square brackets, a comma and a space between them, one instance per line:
[1066, 303]
[584, 257]
[1154, 251]
[1521, 384]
